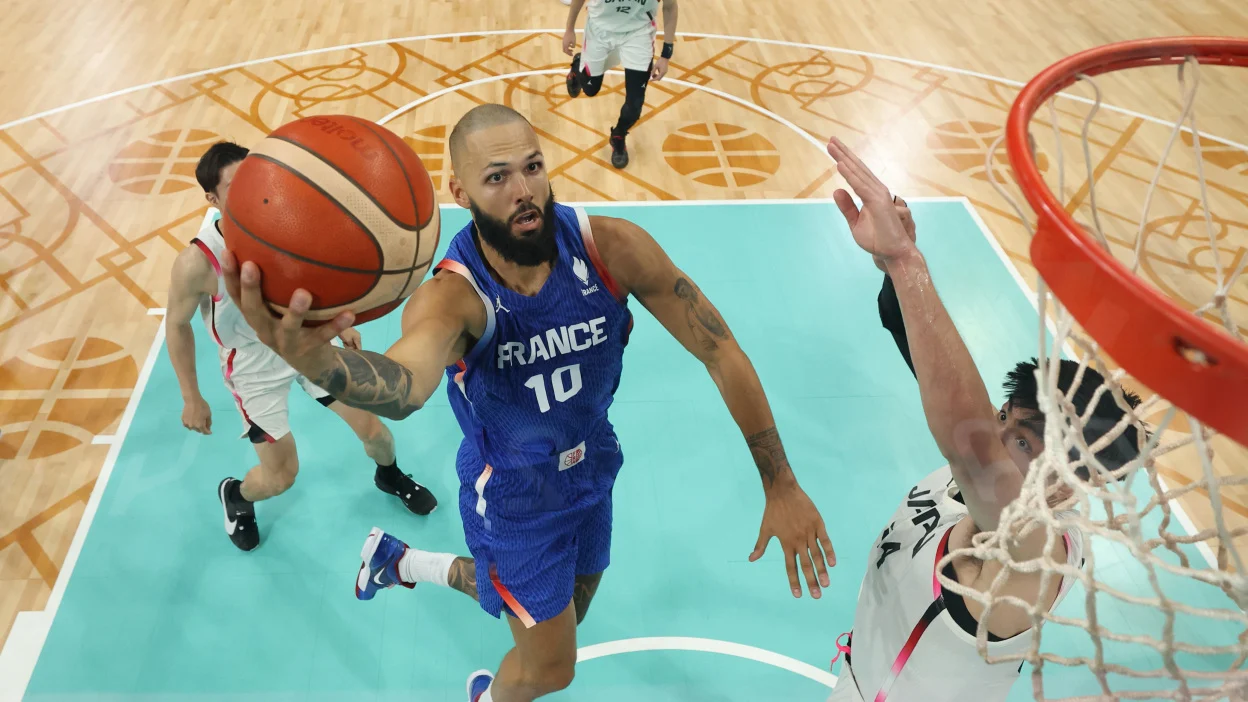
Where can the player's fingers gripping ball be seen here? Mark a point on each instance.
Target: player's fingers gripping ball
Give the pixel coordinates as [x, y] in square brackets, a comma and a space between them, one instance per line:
[338, 206]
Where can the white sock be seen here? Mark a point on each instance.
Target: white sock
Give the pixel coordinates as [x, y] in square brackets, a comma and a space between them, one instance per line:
[486, 696]
[418, 566]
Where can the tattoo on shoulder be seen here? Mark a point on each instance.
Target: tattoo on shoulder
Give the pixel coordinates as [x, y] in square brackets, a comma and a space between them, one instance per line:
[703, 322]
[768, 455]
[370, 381]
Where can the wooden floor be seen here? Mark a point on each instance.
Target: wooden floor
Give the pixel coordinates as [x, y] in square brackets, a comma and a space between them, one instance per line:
[96, 200]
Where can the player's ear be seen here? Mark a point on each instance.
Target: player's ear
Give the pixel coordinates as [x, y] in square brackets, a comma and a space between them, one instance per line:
[458, 192]
[211, 197]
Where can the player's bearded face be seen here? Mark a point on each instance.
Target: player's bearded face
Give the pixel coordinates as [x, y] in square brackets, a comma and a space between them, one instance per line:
[531, 245]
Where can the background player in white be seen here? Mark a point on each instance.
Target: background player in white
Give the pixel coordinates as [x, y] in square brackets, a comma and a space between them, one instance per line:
[257, 377]
[619, 31]
[912, 639]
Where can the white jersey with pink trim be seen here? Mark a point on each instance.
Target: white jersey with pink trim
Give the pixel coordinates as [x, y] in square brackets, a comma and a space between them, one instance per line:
[620, 16]
[906, 645]
[243, 358]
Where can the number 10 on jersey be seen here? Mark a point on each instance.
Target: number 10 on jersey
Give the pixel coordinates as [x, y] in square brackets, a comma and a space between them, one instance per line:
[565, 381]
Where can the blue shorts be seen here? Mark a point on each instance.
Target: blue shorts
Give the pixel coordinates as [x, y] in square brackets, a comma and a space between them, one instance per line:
[536, 534]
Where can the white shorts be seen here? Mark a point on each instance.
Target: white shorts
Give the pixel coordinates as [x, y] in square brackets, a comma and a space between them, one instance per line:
[846, 689]
[606, 50]
[262, 395]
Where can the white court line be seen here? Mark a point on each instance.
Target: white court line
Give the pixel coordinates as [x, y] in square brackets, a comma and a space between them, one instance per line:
[700, 35]
[560, 71]
[687, 643]
[156, 312]
[24, 646]
[93, 504]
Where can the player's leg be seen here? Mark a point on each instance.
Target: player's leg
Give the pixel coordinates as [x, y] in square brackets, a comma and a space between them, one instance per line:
[590, 65]
[543, 661]
[387, 561]
[544, 658]
[274, 474]
[637, 55]
[379, 445]
[583, 593]
[593, 554]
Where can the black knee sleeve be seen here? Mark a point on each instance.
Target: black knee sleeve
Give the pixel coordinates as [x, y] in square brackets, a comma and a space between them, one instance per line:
[635, 83]
[590, 85]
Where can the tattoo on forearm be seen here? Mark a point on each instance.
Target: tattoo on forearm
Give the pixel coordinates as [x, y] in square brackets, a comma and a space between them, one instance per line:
[463, 576]
[768, 455]
[370, 381]
[703, 322]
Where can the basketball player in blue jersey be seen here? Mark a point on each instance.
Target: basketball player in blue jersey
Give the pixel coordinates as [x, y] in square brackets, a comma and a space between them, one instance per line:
[528, 318]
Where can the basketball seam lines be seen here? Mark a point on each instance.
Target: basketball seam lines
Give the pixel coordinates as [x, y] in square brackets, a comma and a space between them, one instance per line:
[333, 267]
[381, 256]
[350, 180]
[412, 192]
[305, 260]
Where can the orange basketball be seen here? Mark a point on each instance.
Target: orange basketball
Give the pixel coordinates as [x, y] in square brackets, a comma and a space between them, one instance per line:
[338, 206]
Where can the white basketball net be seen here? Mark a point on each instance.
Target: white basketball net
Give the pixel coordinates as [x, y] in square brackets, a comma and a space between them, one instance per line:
[1157, 612]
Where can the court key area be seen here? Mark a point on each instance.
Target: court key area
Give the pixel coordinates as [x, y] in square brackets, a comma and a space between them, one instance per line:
[161, 606]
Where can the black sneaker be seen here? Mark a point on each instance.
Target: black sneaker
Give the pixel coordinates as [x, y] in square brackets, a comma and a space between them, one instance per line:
[619, 152]
[573, 83]
[416, 497]
[240, 516]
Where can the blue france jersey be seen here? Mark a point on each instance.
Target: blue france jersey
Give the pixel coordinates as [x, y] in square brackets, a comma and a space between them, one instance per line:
[532, 394]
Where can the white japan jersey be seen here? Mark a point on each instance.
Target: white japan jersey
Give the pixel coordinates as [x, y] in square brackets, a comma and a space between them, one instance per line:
[900, 597]
[243, 357]
[621, 16]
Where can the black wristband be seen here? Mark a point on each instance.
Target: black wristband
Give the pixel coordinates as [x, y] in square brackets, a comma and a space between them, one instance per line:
[667, 50]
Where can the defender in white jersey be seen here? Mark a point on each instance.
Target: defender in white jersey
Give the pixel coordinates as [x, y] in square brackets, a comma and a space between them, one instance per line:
[912, 639]
[619, 32]
[257, 377]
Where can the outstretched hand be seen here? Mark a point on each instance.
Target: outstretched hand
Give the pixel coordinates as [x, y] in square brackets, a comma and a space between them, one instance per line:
[907, 221]
[791, 517]
[304, 348]
[877, 227]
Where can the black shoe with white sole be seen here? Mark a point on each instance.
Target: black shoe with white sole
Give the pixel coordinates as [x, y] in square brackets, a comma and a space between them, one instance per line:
[416, 497]
[240, 515]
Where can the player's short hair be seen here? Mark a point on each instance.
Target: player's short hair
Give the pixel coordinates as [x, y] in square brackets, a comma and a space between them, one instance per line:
[1020, 387]
[480, 117]
[218, 156]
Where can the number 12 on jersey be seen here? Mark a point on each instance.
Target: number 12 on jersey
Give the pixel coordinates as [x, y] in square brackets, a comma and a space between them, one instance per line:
[565, 381]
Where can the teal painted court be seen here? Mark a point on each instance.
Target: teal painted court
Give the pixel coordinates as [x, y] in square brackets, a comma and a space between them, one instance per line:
[161, 606]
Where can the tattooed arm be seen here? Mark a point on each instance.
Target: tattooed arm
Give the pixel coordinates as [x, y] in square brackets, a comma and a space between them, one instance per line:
[643, 269]
[640, 267]
[438, 321]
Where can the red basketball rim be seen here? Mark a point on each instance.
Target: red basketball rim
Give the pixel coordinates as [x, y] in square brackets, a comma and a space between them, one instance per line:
[1195, 365]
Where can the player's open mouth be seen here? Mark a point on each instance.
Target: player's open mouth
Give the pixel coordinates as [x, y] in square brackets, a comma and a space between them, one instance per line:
[530, 221]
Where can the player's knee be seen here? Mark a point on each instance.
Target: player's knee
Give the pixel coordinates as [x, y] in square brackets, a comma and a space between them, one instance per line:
[554, 676]
[284, 479]
[634, 102]
[591, 86]
[281, 473]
